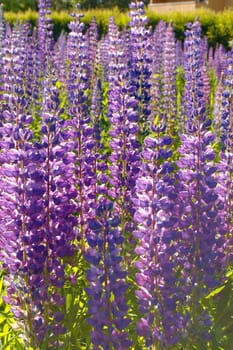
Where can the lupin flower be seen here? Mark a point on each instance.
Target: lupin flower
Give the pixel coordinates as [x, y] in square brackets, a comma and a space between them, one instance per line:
[58, 202]
[157, 213]
[140, 62]
[92, 38]
[2, 39]
[37, 205]
[202, 223]
[60, 59]
[168, 93]
[123, 117]
[16, 63]
[158, 40]
[219, 60]
[44, 35]
[225, 122]
[83, 132]
[179, 53]
[16, 250]
[2, 28]
[107, 286]
[218, 109]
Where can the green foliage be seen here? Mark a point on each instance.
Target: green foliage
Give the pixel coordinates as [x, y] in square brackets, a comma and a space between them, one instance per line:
[220, 305]
[76, 308]
[218, 27]
[61, 5]
[19, 5]
[122, 4]
[29, 15]
[9, 335]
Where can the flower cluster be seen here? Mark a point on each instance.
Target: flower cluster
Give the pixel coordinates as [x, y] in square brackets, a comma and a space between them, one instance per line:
[115, 182]
[107, 286]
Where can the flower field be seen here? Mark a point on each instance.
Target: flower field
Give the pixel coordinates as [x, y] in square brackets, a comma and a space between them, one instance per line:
[116, 192]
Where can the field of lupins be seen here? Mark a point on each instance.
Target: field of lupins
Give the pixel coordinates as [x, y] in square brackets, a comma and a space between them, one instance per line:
[116, 192]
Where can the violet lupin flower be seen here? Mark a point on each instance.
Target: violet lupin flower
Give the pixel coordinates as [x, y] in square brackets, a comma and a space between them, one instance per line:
[219, 61]
[201, 223]
[107, 286]
[218, 109]
[123, 117]
[179, 53]
[2, 39]
[54, 207]
[15, 58]
[28, 46]
[158, 40]
[92, 37]
[157, 213]
[193, 103]
[226, 143]
[103, 47]
[82, 130]
[44, 35]
[205, 73]
[15, 247]
[226, 122]
[59, 202]
[100, 165]
[140, 62]
[7, 73]
[169, 95]
[60, 57]
[2, 28]
[37, 184]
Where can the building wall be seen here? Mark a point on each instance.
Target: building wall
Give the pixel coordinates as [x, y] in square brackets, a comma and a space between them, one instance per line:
[189, 5]
[217, 5]
[166, 1]
[229, 3]
[169, 6]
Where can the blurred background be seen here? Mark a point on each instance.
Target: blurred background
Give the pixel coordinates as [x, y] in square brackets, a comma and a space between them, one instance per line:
[58, 5]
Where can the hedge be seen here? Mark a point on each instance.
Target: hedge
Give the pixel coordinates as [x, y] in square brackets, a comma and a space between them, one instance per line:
[218, 27]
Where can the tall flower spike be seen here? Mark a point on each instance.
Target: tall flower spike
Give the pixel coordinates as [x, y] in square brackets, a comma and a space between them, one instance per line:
[83, 133]
[226, 143]
[15, 59]
[60, 57]
[2, 27]
[45, 35]
[218, 109]
[169, 95]
[58, 202]
[2, 40]
[92, 37]
[179, 53]
[219, 62]
[157, 213]
[140, 63]
[202, 223]
[158, 40]
[16, 247]
[37, 185]
[107, 286]
[123, 117]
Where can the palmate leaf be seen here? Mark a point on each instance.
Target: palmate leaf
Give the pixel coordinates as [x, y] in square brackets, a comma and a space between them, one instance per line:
[220, 305]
